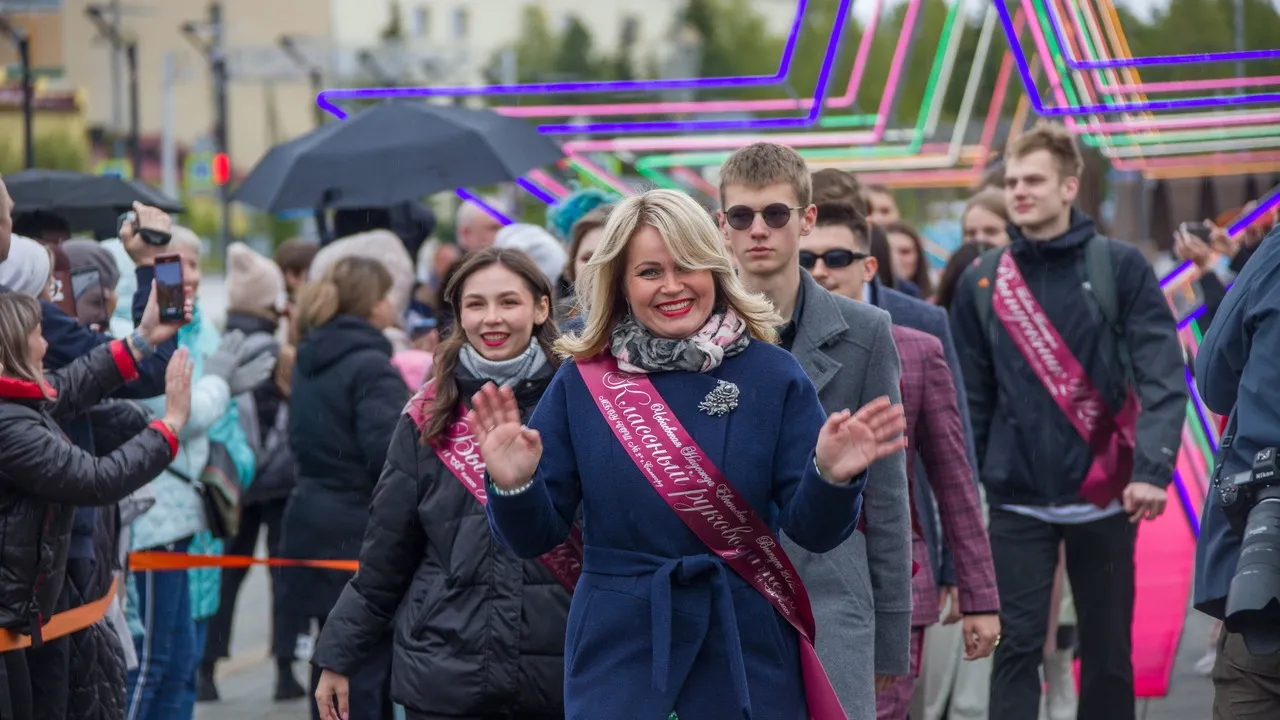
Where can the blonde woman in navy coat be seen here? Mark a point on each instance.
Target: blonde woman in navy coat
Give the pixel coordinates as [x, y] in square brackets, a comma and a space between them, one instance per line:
[659, 623]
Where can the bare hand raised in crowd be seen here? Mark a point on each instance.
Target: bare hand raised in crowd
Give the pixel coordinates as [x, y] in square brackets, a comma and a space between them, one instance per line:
[1190, 247]
[156, 332]
[333, 688]
[510, 450]
[143, 253]
[1144, 501]
[177, 390]
[981, 635]
[1221, 240]
[849, 442]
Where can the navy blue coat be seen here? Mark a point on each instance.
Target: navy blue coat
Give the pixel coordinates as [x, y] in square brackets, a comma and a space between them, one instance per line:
[648, 582]
[1236, 368]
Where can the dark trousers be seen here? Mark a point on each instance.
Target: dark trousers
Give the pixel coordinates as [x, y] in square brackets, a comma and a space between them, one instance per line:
[369, 691]
[411, 715]
[252, 519]
[1100, 567]
[1245, 686]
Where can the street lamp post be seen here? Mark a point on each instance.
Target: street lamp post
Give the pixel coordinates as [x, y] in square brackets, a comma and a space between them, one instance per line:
[22, 40]
[111, 32]
[314, 74]
[215, 55]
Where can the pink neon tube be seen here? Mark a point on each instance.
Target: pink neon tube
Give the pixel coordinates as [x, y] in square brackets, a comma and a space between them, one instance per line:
[1196, 160]
[717, 106]
[951, 176]
[1151, 87]
[1079, 128]
[676, 143]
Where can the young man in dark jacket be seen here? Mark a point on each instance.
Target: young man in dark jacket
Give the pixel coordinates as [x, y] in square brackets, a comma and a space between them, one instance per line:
[1044, 483]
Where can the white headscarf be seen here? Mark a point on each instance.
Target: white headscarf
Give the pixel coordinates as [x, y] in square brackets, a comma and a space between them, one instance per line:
[547, 252]
[27, 269]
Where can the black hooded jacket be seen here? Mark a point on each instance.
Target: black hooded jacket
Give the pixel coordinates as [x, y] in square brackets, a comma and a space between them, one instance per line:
[1029, 453]
[346, 398]
[43, 476]
[478, 631]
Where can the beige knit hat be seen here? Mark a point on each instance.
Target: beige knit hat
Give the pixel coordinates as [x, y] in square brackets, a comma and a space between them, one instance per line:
[381, 245]
[254, 284]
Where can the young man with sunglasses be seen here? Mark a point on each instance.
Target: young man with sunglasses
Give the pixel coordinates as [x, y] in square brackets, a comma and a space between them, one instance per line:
[861, 591]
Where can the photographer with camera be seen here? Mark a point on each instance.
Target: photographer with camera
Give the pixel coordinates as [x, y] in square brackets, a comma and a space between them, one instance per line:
[1237, 576]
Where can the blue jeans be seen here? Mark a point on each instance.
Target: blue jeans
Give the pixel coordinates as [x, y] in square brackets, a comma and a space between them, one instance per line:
[167, 651]
[189, 693]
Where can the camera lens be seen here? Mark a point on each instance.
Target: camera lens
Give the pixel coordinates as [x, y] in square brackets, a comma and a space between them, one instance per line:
[1253, 603]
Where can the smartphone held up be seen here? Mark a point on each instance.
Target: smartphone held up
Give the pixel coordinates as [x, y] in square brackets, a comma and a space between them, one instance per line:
[170, 292]
[1198, 229]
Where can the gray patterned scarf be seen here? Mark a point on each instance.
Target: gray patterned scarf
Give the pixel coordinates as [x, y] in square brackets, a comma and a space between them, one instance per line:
[504, 372]
[638, 351]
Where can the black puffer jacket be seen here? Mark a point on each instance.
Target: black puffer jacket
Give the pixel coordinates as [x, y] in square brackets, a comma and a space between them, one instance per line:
[478, 631]
[43, 477]
[97, 667]
[346, 399]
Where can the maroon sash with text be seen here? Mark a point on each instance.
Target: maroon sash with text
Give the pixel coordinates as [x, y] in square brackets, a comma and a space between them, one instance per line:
[460, 452]
[708, 504]
[1110, 437]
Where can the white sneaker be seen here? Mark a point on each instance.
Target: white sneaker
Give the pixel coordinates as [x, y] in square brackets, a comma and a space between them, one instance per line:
[1204, 666]
[1059, 673]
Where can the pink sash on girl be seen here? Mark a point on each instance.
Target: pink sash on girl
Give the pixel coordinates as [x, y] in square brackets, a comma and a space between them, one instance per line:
[709, 505]
[460, 452]
[1111, 438]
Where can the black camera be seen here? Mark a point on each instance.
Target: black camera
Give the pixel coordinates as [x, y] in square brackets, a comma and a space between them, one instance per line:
[1251, 501]
[149, 236]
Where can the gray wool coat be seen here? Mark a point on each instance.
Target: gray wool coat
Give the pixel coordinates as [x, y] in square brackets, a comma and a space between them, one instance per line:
[861, 591]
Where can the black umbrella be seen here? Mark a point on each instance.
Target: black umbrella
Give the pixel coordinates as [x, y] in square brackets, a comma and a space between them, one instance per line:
[394, 153]
[62, 192]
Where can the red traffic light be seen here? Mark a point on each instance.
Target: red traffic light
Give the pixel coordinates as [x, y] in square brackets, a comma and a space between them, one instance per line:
[221, 169]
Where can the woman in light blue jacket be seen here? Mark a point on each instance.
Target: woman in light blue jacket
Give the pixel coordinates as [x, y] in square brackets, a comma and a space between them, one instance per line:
[162, 687]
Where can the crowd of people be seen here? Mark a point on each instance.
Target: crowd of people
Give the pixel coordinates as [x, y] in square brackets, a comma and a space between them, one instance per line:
[647, 462]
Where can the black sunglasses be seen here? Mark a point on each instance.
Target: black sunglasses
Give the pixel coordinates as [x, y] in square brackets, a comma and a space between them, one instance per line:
[831, 258]
[775, 216]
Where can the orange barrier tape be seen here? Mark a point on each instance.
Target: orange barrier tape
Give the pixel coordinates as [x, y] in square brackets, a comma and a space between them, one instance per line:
[63, 623]
[161, 561]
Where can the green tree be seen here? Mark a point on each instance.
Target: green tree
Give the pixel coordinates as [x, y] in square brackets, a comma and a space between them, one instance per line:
[576, 59]
[734, 40]
[54, 151]
[624, 61]
[534, 50]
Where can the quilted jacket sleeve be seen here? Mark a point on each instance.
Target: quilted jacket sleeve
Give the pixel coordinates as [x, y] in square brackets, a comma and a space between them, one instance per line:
[38, 461]
[91, 378]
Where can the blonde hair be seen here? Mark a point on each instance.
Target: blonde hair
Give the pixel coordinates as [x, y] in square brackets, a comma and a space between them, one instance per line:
[1054, 139]
[351, 286]
[694, 242]
[19, 315]
[763, 164]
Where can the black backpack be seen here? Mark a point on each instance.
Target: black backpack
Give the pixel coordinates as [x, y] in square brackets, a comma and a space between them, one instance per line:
[1102, 283]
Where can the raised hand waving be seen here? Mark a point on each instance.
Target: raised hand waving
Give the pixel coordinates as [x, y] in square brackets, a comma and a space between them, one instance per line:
[849, 442]
[510, 450]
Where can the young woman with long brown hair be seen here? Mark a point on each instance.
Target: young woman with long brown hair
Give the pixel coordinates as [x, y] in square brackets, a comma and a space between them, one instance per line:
[480, 632]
